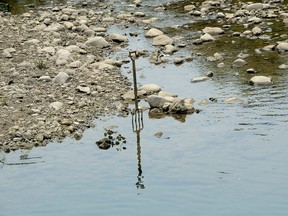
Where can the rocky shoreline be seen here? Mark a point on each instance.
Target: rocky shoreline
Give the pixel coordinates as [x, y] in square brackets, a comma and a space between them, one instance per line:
[56, 74]
[52, 84]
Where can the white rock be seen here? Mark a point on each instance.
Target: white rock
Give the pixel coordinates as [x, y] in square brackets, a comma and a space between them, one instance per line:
[99, 42]
[256, 30]
[45, 79]
[232, 100]
[56, 105]
[200, 79]
[7, 54]
[162, 40]
[61, 78]
[54, 28]
[150, 88]
[156, 101]
[239, 63]
[257, 6]
[50, 50]
[75, 64]
[282, 46]
[260, 80]
[63, 54]
[213, 30]
[283, 66]
[207, 37]
[83, 89]
[153, 32]
[118, 38]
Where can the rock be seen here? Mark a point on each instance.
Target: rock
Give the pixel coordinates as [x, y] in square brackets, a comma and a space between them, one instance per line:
[260, 80]
[150, 88]
[189, 7]
[50, 50]
[63, 54]
[251, 71]
[104, 143]
[170, 49]
[257, 6]
[118, 38]
[283, 66]
[232, 100]
[180, 106]
[7, 54]
[156, 101]
[45, 79]
[161, 40]
[159, 134]
[83, 89]
[61, 78]
[285, 22]
[153, 32]
[54, 28]
[213, 30]
[200, 79]
[75, 64]
[66, 122]
[239, 63]
[56, 105]
[206, 38]
[139, 14]
[256, 31]
[99, 42]
[166, 94]
[282, 47]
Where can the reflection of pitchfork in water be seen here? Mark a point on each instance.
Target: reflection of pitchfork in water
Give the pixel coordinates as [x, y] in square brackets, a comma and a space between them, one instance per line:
[137, 122]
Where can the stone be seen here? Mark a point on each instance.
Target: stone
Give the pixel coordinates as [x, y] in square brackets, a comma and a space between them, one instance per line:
[150, 88]
[118, 38]
[282, 47]
[99, 42]
[283, 66]
[285, 22]
[207, 37]
[256, 30]
[179, 106]
[75, 64]
[66, 122]
[161, 40]
[260, 80]
[156, 101]
[45, 79]
[153, 32]
[257, 6]
[170, 49]
[63, 54]
[213, 30]
[232, 100]
[7, 54]
[239, 63]
[83, 89]
[250, 71]
[200, 79]
[56, 105]
[61, 78]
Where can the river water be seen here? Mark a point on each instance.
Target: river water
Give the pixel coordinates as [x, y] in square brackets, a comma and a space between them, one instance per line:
[229, 159]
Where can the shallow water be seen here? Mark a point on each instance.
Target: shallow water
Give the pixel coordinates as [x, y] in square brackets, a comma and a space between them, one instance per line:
[230, 159]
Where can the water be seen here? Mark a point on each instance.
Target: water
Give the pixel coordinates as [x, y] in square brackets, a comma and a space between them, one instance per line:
[230, 159]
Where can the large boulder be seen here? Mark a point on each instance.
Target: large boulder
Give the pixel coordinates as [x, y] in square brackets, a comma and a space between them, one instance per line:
[150, 88]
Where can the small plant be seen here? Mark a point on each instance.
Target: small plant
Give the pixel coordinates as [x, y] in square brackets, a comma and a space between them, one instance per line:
[3, 101]
[40, 64]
